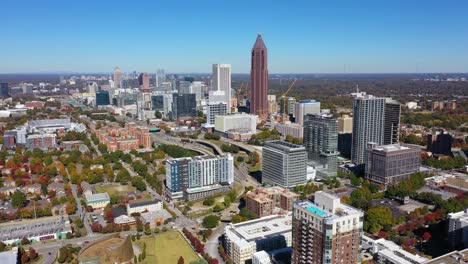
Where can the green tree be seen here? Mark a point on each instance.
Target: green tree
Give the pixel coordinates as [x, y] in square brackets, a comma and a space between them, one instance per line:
[377, 218]
[18, 199]
[210, 221]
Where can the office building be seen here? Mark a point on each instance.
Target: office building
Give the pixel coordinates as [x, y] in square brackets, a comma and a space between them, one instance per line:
[102, 98]
[160, 77]
[440, 143]
[221, 81]
[458, 228]
[368, 124]
[268, 233]
[4, 90]
[344, 144]
[345, 124]
[184, 105]
[144, 82]
[304, 107]
[259, 79]
[213, 110]
[143, 205]
[117, 78]
[236, 122]
[41, 141]
[326, 231]
[199, 89]
[390, 164]
[387, 252]
[284, 164]
[157, 103]
[267, 201]
[392, 121]
[92, 87]
[321, 143]
[198, 177]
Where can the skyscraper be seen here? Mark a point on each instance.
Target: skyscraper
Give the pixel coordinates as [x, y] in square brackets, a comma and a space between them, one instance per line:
[160, 77]
[221, 81]
[4, 92]
[321, 143]
[392, 121]
[259, 79]
[326, 231]
[117, 78]
[143, 81]
[368, 124]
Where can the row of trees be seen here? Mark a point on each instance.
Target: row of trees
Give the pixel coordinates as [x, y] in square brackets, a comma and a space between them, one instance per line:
[198, 246]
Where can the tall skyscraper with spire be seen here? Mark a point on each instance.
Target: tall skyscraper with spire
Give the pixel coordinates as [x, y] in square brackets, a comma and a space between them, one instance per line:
[259, 79]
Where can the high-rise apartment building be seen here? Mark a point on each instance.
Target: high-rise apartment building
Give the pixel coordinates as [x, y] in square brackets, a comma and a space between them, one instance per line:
[214, 109]
[304, 107]
[259, 79]
[345, 124]
[267, 201]
[321, 143]
[117, 78]
[4, 91]
[458, 228]
[392, 121]
[272, 104]
[198, 177]
[284, 164]
[368, 124]
[289, 107]
[221, 81]
[92, 87]
[326, 231]
[390, 164]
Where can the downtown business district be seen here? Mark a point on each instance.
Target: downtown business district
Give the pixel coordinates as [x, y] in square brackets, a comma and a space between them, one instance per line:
[321, 229]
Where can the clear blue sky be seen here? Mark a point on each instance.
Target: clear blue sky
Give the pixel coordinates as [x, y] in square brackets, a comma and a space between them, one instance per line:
[309, 36]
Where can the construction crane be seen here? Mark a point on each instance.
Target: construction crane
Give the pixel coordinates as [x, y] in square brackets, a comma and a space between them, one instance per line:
[239, 90]
[285, 94]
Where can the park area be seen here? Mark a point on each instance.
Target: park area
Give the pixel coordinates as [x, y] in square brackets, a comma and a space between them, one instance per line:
[167, 248]
[114, 189]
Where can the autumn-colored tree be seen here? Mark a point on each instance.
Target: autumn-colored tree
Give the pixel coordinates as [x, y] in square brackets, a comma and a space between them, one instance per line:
[25, 258]
[382, 234]
[426, 236]
[32, 254]
[181, 260]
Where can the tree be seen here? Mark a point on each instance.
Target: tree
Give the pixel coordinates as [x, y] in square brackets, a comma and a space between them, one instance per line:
[181, 260]
[32, 254]
[25, 258]
[377, 218]
[158, 114]
[209, 201]
[18, 199]
[2, 246]
[426, 236]
[361, 198]
[210, 221]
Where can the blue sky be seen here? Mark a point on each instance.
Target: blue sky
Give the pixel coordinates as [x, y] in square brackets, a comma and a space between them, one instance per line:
[309, 36]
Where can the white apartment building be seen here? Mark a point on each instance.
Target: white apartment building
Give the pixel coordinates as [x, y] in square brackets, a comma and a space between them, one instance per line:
[268, 233]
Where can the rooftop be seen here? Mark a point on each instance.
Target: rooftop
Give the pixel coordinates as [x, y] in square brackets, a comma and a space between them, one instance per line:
[253, 230]
[454, 257]
[97, 196]
[142, 202]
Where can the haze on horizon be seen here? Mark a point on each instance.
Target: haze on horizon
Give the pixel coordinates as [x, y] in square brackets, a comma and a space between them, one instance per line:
[188, 36]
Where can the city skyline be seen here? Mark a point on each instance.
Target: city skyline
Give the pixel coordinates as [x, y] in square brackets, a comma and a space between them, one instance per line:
[302, 37]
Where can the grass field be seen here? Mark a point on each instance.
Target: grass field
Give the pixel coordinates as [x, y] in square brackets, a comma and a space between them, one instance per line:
[167, 248]
[115, 189]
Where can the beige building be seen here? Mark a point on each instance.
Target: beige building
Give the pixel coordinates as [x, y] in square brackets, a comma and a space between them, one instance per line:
[268, 201]
[345, 124]
[98, 200]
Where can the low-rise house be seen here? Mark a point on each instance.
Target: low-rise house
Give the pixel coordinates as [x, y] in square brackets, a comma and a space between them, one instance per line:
[57, 187]
[32, 189]
[86, 188]
[58, 178]
[143, 205]
[7, 191]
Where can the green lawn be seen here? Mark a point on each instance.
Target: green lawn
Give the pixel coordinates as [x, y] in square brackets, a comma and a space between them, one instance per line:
[115, 189]
[167, 248]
